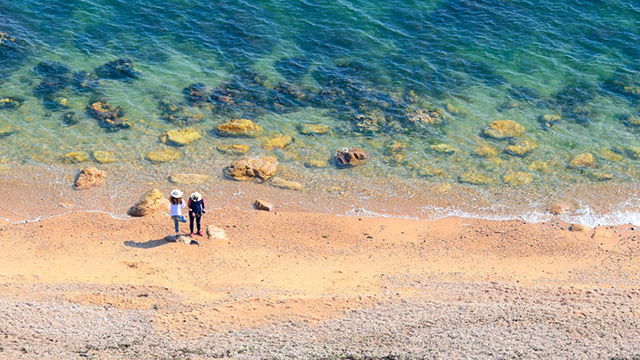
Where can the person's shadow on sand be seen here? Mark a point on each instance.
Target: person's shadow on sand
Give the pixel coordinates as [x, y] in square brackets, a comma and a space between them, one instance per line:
[146, 244]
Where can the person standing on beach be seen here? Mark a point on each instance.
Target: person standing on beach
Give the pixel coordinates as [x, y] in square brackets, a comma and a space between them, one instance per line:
[196, 209]
[176, 209]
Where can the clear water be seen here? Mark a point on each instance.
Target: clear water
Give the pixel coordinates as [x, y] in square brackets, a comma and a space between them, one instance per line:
[478, 61]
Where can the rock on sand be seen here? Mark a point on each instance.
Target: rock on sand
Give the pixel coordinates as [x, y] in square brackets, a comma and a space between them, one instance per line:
[150, 201]
[90, 177]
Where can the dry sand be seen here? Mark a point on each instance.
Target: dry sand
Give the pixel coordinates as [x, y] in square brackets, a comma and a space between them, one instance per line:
[293, 285]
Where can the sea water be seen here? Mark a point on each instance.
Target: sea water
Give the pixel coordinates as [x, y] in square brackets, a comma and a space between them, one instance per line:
[364, 69]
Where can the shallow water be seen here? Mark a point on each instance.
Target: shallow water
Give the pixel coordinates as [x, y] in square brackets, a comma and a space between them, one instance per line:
[344, 62]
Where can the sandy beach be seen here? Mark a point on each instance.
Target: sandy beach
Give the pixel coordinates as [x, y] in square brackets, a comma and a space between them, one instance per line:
[316, 286]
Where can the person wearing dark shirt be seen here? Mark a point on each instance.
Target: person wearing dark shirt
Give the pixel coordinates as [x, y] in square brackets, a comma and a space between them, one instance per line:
[196, 209]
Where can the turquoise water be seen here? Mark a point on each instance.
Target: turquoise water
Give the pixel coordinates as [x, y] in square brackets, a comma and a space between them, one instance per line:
[362, 68]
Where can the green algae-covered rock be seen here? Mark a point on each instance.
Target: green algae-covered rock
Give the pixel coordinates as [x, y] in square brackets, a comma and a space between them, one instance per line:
[10, 102]
[428, 171]
[233, 149]
[585, 160]
[601, 176]
[444, 149]
[316, 164]
[484, 151]
[163, 155]
[6, 132]
[104, 157]
[313, 129]
[539, 166]
[239, 128]
[549, 120]
[180, 137]
[75, 157]
[517, 178]
[286, 184]
[277, 142]
[473, 178]
[503, 129]
[521, 149]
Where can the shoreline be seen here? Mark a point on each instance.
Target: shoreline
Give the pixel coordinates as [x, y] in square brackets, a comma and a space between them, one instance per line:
[310, 285]
[35, 192]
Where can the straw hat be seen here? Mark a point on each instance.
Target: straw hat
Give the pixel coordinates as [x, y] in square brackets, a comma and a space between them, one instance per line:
[176, 193]
[196, 196]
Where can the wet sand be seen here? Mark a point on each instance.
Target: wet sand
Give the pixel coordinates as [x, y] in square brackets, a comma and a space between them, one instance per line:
[316, 286]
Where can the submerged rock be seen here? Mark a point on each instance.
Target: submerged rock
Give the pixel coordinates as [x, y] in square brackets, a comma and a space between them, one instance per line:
[473, 178]
[109, 117]
[248, 169]
[313, 129]
[517, 178]
[151, 200]
[428, 171]
[180, 137]
[83, 81]
[121, 69]
[188, 179]
[69, 118]
[6, 132]
[75, 157]
[51, 68]
[286, 184]
[196, 93]
[239, 128]
[521, 149]
[548, 120]
[560, 207]
[484, 151]
[426, 117]
[163, 155]
[395, 152]
[278, 142]
[444, 149]
[601, 176]
[56, 103]
[316, 164]
[585, 160]
[51, 85]
[369, 123]
[503, 130]
[631, 120]
[234, 149]
[104, 157]
[90, 177]
[349, 157]
[175, 113]
[10, 102]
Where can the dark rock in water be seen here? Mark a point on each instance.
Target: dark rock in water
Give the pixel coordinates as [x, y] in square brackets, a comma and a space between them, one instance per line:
[580, 114]
[55, 103]
[196, 93]
[292, 68]
[508, 105]
[548, 120]
[523, 93]
[349, 157]
[50, 85]
[110, 117]
[10, 102]
[575, 95]
[121, 69]
[173, 112]
[623, 87]
[51, 68]
[69, 118]
[632, 120]
[83, 81]
[287, 96]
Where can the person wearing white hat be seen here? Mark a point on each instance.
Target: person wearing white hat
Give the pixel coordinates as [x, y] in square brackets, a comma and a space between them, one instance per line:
[176, 209]
[196, 209]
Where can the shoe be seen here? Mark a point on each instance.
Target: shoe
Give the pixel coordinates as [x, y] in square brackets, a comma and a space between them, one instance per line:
[191, 235]
[194, 242]
[200, 233]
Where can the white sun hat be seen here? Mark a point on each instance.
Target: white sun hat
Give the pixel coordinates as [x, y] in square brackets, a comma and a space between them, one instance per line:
[176, 193]
[196, 196]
